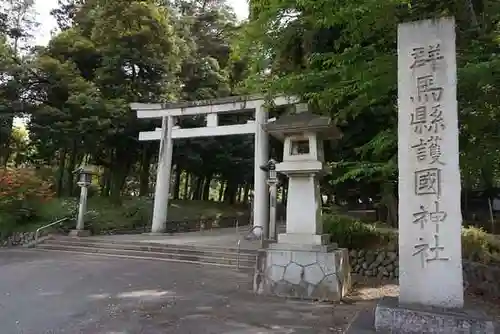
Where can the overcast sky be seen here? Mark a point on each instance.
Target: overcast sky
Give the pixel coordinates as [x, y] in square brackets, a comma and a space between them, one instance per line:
[43, 8]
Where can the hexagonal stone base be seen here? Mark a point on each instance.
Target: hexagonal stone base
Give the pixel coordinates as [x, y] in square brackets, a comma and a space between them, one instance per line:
[303, 273]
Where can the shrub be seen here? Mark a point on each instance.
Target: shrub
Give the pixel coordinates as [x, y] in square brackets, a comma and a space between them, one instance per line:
[22, 194]
[479, 246]
[58, 208]
[347, 232]
[133, 214]
[351, 233]
[139, 210]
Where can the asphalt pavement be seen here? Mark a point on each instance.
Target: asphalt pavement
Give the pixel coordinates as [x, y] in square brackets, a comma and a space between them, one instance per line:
[46, 292]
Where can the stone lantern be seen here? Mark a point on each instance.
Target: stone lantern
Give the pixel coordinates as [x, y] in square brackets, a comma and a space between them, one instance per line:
[84, 175]
[303, 263]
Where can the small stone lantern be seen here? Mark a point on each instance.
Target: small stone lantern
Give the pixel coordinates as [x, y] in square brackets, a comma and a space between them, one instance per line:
[84, 181]
[84, 176]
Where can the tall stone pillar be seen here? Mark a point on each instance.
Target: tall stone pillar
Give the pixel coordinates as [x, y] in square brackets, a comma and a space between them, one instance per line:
[261, 156]
[430, 255]
[162, 190]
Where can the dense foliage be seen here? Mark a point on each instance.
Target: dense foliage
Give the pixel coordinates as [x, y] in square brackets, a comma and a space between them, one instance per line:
[477, 245]
[22, 193]
[77, 89]
[340, 56]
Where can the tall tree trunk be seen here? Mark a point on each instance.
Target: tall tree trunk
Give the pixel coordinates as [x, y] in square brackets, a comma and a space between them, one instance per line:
[6, 123]
[192, 185]
[206, 188]
[246, 192]
[393, 210]
[177, 182]
[221, 190]
[390, 201]
[106, 182]
[116, 185]
[472, 12]
[239, 194]
[70, 169]
[230, 192]
[8, 154]
[147, 154]
[198, 188]
[117, 182]
[492, 216]
[120, 168]
[51, 158]
[186, 186]
[60, 172]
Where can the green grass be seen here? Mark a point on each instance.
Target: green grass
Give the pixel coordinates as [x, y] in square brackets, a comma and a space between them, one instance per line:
[180, 210]
[7, 227]
[132, 213]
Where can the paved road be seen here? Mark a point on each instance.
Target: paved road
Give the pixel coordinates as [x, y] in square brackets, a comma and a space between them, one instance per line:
[60, 293]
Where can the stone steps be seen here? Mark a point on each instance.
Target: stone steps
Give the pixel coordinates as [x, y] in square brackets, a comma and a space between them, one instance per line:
[149, 246]
[208, 255]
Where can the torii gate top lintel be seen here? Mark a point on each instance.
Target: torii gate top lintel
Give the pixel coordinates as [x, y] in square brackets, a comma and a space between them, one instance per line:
[187, 108]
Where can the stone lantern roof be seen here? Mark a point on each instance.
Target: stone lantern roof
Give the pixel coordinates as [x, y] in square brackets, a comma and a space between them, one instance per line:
[87, 169]
[301, 122]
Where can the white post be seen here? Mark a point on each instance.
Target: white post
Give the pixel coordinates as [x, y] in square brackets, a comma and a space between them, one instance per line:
[261, 155]
[162, 189]
[430, 253]
[272, 211]
[82, 208]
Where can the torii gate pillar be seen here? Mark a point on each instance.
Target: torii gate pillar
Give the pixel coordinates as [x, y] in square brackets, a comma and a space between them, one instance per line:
[261, 156]
[163, 173]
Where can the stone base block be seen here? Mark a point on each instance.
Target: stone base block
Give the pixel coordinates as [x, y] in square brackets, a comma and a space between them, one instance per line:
[79, 233]
[303, 273]
[390, 317]
[303, 238]
[303, 247]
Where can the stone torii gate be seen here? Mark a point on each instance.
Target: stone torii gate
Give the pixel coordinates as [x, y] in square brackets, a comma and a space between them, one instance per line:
[211, 108]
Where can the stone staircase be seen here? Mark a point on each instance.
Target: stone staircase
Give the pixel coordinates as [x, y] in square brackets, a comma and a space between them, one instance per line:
[243, 259]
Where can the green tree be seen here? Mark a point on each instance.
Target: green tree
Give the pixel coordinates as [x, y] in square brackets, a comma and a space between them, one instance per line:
[17, 23]
[207, 72]
[113, 53]
[342, 58]
[20, 146]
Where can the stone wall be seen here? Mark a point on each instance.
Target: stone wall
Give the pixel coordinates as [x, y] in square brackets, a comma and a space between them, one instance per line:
[17, 239]
[375, 263]
[478, 278]
[482, 279]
